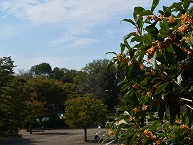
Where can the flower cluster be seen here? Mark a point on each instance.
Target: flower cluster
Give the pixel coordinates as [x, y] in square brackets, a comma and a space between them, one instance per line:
[186, 21]
[122, 58]
[148, 134]
[172, 19]
[187, 128]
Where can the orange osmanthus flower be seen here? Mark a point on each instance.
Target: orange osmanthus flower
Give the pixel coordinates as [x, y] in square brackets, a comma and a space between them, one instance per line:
[148, 134]
[111, 132]
[144, 107]
[148, 94]
[172, 19]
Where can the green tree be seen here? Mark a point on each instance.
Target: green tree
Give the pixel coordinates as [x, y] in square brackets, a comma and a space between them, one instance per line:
[42, 69]
[94, 80]
[63, 74]
[58, 73]
[11, 99]
[47, 90]
[35, 109]
[162, 47]
[84, 112]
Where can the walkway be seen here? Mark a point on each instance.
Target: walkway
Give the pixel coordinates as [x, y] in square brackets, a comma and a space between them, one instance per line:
[53, 137]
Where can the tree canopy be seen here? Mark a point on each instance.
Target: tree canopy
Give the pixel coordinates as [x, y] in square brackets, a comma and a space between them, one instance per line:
[95, 80]
[11, 99]
[82, 112]
[47, 90]
[43, 69]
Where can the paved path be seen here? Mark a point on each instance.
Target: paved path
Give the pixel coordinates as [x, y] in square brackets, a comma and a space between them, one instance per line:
[53, 137]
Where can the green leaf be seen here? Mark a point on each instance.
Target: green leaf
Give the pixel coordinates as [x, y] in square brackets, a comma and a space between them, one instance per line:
[191, 89]
[125, 39]
[122, 47]
[136, 39]
[118, 131]
[139, 20]
[147, 39]
[161, 88]
[125, 87]
[152, 29]
[154, 4]
[146, 12]
[176, 6]
[130, 21]
[190, 10]
[130, 135]
[111, 53]
[186, 5]
[164, 25]
[137, 11]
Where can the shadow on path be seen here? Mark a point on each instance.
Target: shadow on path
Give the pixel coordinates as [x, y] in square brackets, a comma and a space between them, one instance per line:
[52, 137]
[18, 141]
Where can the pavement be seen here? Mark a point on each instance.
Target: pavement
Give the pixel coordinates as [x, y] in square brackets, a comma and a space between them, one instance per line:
[54, 137]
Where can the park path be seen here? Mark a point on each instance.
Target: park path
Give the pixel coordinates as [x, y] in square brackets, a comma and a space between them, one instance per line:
[54, 137]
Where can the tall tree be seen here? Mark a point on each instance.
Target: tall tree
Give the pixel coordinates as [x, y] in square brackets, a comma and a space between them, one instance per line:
[11, 99]
[51, 91]
[58, 73]
[63, 74]
[84, 112]
[42, 69]
[95, 80]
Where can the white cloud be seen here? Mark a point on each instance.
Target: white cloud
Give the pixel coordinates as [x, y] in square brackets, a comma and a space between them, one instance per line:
[72, 42]
[77, 17]
[68, 11]
[81, 42]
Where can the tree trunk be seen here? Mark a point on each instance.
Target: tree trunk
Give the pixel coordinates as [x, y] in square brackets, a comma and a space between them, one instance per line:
[85, 134]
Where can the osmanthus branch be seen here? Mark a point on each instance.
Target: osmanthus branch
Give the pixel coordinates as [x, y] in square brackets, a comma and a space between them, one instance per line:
[190, 107]
[184, 99]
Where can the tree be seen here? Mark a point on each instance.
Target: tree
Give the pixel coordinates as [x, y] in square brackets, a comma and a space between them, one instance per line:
[43, 69]
[94, 80]
[162, 47]
[11, 99]
[58, 73]
[63, 74]
[84, 112]
[47, 90]
[34, 109]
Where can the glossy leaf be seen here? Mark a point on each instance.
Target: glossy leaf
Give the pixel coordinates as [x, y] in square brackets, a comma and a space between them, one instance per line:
[146, 12]
[130, 21]
[154, 4]
[147, 38]
[161, 88]
[152, 29]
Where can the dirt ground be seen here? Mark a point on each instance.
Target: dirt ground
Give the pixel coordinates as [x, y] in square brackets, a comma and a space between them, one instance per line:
[54, 137]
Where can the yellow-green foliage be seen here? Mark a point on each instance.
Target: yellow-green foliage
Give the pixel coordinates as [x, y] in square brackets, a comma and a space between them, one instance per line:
[82, 112]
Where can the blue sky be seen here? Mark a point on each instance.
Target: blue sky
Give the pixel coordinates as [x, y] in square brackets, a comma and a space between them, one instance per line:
[64, 33]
